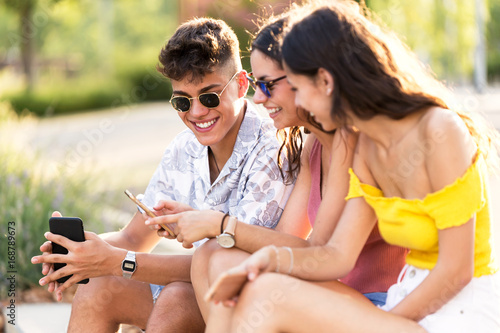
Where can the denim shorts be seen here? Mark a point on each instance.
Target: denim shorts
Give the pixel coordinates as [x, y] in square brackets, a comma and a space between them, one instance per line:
[155, 291]
[377, 298]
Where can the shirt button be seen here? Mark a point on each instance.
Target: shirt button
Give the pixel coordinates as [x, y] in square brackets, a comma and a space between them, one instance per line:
[412, 273]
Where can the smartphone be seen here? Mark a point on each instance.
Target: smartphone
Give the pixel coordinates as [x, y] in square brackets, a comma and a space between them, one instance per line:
[227, 286]
[148, 211]
[71, 228]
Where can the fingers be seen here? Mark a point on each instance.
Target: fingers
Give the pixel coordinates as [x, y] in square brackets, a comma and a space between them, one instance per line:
[171, 207]
[165, 204]
[56, 214]
[53, 276]
[52, 285]
[230, 303]
[187, 245]
[61, 240]
[50, 259]
[164, 233]
[45, 267]
[68, 283]
[164, 219]
[46, 247]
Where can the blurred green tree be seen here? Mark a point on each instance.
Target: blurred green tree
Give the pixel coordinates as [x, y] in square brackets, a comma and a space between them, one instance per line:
[25, 37]
[493, 40]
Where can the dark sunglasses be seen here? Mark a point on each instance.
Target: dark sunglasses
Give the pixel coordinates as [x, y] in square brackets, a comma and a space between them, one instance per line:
[209, 99]
[264, 86]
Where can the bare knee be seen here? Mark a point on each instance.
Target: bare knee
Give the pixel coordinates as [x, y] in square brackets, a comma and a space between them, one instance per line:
[96, 306]
[99, 293]
[224, 259]
[203, 253]
[200, 262]
[175, 293]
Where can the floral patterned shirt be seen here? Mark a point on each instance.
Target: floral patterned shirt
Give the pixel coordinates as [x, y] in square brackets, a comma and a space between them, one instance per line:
[249, 186]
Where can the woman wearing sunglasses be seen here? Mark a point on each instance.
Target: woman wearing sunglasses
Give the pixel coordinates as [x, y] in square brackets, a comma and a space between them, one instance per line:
[323, 166]
[420, 168]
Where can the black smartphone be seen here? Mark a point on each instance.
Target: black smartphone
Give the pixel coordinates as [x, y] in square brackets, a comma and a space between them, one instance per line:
[71, 228]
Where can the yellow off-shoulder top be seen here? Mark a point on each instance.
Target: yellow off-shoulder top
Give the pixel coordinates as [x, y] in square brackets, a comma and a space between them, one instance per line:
[414, 223]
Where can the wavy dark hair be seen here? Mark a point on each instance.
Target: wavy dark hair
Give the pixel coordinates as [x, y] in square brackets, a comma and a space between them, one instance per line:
[374, 72]
[268, 41]
[197, 48]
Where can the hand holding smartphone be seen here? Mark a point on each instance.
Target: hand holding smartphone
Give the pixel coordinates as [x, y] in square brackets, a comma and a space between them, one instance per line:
[227, 286]
[148, 211]
[71, 228]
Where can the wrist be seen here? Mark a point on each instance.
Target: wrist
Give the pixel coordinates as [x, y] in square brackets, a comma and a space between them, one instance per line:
[220, 223]
[116, 265]
[272, 252]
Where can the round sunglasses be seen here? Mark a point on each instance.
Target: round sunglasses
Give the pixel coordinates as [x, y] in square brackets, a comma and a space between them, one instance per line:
[209, 99]
[263, 85]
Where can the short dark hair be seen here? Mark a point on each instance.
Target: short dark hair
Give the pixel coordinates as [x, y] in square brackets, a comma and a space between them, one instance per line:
[197, 48]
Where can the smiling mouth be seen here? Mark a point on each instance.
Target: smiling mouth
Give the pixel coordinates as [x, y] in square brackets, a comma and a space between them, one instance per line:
[205, 124]
[274, 110]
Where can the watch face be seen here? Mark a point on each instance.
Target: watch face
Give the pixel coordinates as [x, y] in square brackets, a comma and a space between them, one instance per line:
[226, 241]
[128, 266]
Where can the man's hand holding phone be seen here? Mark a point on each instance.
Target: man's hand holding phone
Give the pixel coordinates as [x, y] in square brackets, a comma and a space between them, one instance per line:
[84, 260]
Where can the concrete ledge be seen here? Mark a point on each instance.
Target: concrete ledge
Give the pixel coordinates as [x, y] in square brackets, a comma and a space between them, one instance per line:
[40, 318]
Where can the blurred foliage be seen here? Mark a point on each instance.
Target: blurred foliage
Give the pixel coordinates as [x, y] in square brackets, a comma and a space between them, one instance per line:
[96, 54]
[493, 38]
[90, 54]
[130, 84]
[441, 32]
[35, 190]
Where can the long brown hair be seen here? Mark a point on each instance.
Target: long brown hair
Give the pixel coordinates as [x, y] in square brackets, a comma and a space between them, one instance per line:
[268, 41]
[374, 72]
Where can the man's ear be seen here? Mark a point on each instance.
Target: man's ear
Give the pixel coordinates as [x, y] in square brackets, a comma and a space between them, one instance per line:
[242, 83]
[325, 81]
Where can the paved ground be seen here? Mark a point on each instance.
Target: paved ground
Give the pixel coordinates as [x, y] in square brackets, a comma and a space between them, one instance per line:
[130, 141]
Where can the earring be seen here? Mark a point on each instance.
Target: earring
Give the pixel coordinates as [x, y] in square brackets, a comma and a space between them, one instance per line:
[328, 91]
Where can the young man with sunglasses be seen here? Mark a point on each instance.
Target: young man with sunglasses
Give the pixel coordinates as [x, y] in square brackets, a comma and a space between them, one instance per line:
[224, 161]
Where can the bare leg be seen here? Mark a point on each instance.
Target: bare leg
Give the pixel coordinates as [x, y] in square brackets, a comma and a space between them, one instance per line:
[106, 302]
[280, 303]
[219, 316]
[176, 310]
[209, 261]
[199, 273]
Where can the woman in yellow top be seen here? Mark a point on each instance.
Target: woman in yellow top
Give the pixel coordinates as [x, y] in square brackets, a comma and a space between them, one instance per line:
[419, 167]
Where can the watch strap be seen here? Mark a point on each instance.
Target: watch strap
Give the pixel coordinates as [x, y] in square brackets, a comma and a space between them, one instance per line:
[231, 226]
[222, 223]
